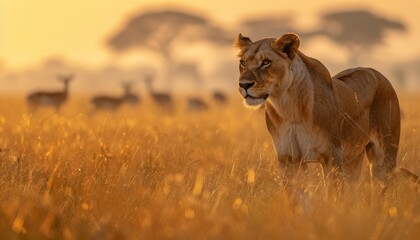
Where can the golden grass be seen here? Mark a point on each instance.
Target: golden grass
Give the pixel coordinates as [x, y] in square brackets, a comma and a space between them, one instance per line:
[144, 174]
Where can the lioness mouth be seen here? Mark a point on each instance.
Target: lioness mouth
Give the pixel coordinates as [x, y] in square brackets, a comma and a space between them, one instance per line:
[252, 97]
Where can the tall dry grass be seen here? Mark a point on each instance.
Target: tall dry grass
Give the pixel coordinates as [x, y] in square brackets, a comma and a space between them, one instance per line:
[144, 174]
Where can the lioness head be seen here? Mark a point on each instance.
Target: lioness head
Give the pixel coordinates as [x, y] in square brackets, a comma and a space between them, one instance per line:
[265, 66]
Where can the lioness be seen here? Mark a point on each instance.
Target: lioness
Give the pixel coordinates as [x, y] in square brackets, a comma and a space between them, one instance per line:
[312, 116]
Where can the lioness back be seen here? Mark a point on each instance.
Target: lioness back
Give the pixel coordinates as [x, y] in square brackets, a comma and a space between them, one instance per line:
[372, 113]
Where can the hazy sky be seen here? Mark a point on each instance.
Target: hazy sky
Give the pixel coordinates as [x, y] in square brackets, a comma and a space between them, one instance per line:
[31, 31]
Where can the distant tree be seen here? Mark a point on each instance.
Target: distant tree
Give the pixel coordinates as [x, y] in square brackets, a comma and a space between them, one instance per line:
[263, 27]
[159, 31]
[359, 30]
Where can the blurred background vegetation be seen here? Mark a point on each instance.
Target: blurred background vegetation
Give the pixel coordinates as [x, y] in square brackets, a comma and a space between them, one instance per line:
[187, 47]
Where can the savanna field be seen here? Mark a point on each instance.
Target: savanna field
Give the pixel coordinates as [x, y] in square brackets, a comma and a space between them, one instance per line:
[143, 173]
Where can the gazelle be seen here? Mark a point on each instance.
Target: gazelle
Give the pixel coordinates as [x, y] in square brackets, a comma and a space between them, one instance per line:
[50, 99]
[113, 103]
[162, 99]
[219, 97]
[196, 104]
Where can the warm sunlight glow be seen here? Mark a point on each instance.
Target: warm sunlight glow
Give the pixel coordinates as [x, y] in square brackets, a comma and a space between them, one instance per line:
[77, 30]
[126, 119]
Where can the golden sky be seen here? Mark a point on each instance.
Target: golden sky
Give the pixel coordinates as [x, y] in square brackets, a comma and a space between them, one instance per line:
[33, 30]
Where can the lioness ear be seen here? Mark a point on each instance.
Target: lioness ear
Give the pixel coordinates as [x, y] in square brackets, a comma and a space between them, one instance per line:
[242, 41]
[289, 44]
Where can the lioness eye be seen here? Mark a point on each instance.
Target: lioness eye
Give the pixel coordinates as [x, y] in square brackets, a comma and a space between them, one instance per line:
[242, 63]
[266, 62]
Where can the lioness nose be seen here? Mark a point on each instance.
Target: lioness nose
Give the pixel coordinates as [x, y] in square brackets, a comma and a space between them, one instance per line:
[246, 85]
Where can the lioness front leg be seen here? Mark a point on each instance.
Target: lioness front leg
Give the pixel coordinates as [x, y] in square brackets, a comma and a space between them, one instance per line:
[289, 168]
[333, 173]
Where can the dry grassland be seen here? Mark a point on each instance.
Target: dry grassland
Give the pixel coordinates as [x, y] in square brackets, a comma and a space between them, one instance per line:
[144, 174]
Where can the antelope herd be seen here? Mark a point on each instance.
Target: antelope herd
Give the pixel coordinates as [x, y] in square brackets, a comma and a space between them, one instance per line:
[160, 99]
[103, 102]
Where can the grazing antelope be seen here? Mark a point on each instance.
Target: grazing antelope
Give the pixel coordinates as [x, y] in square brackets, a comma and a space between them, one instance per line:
[50, 99]
[113, 103]
[196, 104]
[162, 99]
[219, 97]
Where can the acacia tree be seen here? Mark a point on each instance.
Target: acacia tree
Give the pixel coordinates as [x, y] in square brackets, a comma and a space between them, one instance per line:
[159, 31]
[263, 27]
[358, 30]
